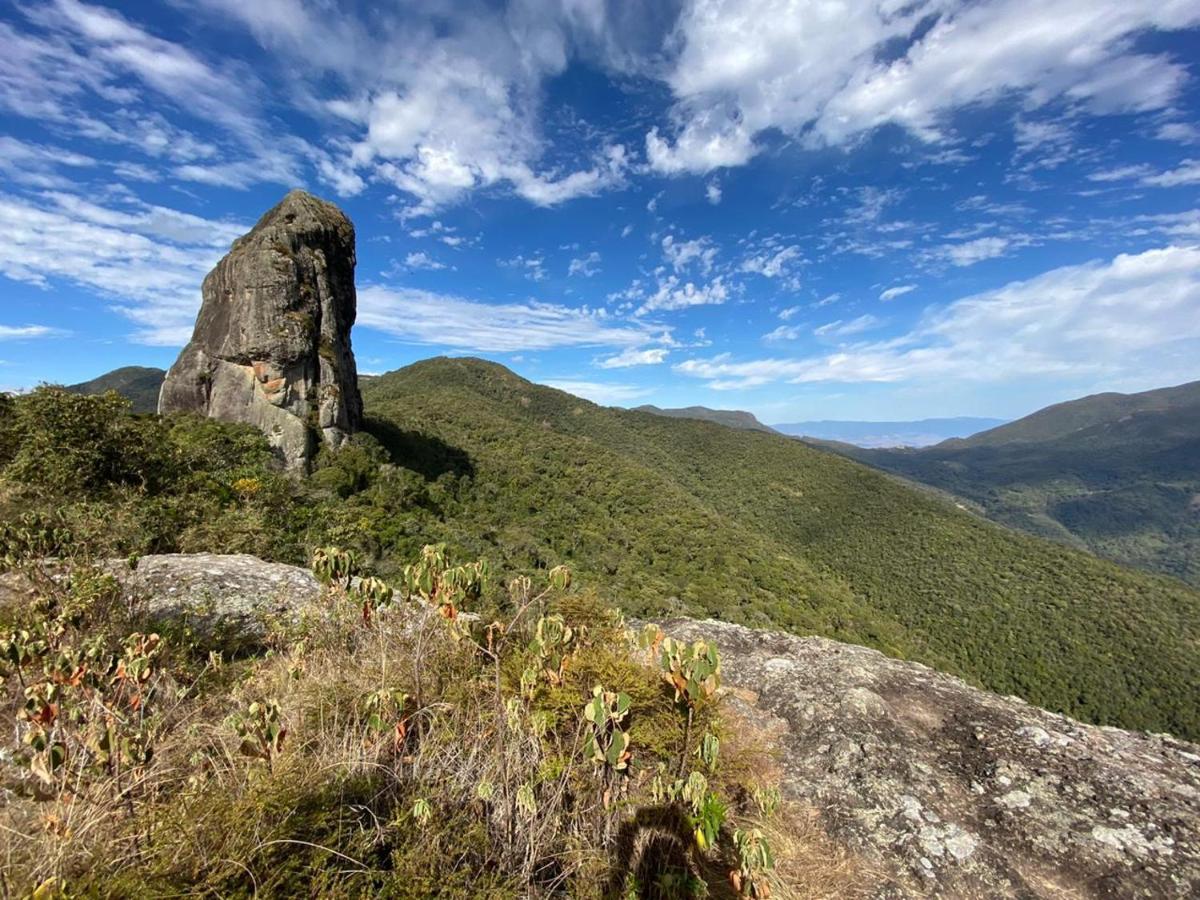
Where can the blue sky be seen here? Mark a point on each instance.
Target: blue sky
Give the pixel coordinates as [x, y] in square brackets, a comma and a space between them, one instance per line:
[837, 209]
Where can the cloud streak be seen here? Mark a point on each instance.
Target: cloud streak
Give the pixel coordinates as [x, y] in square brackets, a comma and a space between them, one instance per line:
[1110, 319]
[441, 320]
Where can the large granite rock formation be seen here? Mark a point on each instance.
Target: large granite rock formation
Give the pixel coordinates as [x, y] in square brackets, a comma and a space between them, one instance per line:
[271, 345]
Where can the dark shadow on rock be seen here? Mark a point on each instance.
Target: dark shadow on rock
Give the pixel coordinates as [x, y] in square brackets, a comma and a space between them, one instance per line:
[429, 456]
[655, 848]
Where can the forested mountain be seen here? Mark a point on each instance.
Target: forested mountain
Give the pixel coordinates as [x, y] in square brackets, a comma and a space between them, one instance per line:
[1117, 474]
[733, 418]
[1064, 419]
[657, 515]
[918, 433]
[681, 515]
[138, 384]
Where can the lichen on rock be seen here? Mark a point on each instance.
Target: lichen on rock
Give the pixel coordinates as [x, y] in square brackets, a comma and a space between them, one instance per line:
[271, 346]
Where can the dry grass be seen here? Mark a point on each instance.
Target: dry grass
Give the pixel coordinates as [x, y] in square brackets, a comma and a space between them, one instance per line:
[413, 764]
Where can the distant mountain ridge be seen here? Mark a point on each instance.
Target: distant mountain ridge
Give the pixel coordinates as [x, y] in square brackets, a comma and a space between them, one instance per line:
[1073, 416]
[917, 433]
[1117, 474]
[733, 418]
[138, 384]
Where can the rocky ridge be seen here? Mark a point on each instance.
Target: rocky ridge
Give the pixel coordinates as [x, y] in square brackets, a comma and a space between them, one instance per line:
[271, 346]
[944, 790]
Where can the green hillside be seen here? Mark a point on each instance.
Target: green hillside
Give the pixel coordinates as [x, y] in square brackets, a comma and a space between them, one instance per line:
[1116, 474]
[1063, 419]
[657, 515]
[680, 514]
[732, 418]
[138, 384]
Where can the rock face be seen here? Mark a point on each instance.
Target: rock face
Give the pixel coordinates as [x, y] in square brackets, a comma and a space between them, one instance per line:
[271, 345]
[955, 792]
[232, 594]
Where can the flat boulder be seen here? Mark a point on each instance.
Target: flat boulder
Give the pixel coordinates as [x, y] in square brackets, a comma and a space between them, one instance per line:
[232, 596]
[952, 791]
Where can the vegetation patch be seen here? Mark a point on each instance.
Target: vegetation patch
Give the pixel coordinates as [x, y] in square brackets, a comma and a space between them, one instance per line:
[396, 740]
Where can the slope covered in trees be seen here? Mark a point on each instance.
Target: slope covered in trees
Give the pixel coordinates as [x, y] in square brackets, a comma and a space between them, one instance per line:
[658, 515]
[734, 418]
[1117, 474]
[759, 528]
[138, 384]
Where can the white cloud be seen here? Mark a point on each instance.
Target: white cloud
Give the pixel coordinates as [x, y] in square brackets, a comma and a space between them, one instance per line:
[784, 333]
[788, 313]
[703, 145]
[587, 266]
[419, 259]
[840, 328]
[1188, 172]
[1180, 132]
[604, 393]
[1112, 319]
[771, 264]
[1120, 173]
[970, 252]
[88, 71]
[681, 254]
[626, 231]
[149, 260]
[532, 267]
[898, 291]
[712, 193]
[24, 332]
[635, 357]
[440, 104]
[36, 165]
[442, 320]
[673, 294]
[827, 73]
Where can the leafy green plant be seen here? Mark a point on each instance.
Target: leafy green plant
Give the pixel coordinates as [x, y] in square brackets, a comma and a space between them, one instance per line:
[262, 730]
[32, 538]
[433, 581]
[694, 671]
[372, 594]
[19, 650]
[333, 566]
[754, 862]
[706, 811]
[387, 710]
[606, 743]
[709, 750]
[551, 646]
[421, 812]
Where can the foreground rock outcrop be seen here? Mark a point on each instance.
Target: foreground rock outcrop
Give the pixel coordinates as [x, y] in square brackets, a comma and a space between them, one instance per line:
[271, 346]
[941, 789]
[956, 792]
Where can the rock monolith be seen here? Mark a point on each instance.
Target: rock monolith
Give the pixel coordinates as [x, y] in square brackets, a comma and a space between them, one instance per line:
[271, 346]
